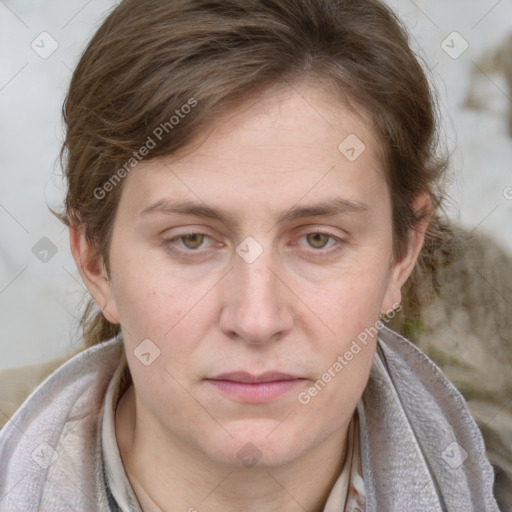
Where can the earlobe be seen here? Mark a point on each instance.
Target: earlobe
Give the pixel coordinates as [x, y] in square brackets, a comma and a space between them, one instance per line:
[94, 274]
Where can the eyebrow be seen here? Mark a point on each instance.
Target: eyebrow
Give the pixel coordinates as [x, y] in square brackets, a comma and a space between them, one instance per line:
[327, 208]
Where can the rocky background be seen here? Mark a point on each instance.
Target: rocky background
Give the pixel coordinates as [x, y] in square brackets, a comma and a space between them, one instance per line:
[461, 316]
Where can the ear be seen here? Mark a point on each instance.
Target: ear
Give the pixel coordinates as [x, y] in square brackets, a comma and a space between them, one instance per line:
[93, 272]
[402, 269]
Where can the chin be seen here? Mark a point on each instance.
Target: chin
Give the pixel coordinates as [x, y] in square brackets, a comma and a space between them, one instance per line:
[267, 445]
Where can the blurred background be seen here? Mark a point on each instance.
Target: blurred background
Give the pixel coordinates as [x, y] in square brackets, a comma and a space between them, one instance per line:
[466, 45]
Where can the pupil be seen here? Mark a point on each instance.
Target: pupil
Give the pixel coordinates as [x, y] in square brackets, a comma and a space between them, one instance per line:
[196, 239]
[318, 237]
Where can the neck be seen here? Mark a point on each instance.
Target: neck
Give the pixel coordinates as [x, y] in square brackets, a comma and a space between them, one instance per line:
[190, 481]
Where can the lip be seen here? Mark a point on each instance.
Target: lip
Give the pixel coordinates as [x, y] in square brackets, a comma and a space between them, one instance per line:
[247, 387]
[242, 376]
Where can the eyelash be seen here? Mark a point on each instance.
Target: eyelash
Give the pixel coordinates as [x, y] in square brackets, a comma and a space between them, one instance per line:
[198, 254]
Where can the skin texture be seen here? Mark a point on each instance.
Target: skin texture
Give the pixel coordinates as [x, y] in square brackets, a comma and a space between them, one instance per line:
[290, 310]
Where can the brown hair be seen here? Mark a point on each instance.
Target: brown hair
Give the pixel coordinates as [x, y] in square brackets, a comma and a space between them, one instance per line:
[150, 58]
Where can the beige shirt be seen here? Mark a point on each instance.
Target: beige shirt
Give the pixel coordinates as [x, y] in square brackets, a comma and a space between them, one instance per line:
[347, 495]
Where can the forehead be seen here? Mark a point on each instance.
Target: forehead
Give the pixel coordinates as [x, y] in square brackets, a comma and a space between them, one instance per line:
[296, 144]
[303, 120]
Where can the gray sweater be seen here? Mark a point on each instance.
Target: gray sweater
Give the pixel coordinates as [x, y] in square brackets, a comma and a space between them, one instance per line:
[421, 449]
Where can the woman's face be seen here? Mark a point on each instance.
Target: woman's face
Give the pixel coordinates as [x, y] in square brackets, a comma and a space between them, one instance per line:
[268, 249]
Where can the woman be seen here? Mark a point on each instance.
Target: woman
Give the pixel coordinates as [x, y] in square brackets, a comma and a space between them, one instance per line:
[250, 186]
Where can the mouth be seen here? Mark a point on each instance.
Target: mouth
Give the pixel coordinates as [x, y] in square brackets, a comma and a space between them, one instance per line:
[246, 387]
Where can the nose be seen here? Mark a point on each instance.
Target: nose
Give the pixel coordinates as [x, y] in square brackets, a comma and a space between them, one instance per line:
[256, 303]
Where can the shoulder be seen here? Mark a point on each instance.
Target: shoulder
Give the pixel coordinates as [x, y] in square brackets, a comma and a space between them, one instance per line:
[26, 387]
[57, 431]
[16, 384]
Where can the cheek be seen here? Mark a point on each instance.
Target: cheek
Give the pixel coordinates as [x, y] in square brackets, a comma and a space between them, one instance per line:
[351, 310]
[151, 293]
[329, 401]
[149, 302]
[351, 302]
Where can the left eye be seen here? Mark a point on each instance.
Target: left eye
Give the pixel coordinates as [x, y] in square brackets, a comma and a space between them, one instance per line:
[318, 240]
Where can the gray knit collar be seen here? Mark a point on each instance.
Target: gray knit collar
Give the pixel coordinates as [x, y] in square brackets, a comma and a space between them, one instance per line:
[421, 449]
